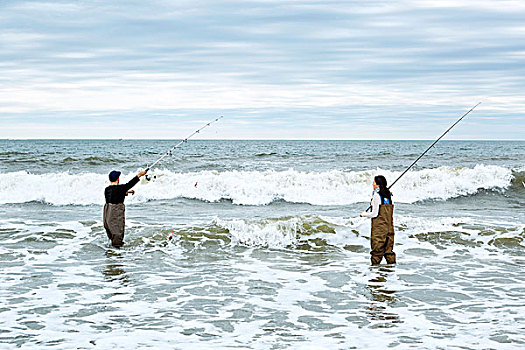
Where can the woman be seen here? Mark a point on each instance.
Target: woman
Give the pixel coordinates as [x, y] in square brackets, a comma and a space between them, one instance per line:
[382, 236]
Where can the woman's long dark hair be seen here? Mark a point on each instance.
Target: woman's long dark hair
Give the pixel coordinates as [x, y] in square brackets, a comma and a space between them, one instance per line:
[383, 189]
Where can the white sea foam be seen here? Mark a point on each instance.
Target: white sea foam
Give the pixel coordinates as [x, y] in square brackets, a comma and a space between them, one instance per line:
[267, 232]
[337, 231]
[257, 188]
[142, 299]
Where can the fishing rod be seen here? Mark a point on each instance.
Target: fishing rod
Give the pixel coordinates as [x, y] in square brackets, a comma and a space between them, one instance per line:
[432, 145]
[181, 142]
[428, 149]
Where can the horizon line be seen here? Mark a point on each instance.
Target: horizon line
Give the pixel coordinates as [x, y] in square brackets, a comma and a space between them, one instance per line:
[214, 139]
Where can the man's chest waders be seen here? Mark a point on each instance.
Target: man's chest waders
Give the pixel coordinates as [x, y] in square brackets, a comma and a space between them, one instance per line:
[114, 223]
[382, 236]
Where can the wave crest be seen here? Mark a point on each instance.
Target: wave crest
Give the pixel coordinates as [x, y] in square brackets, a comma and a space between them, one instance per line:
[322, 233]
[258, 188]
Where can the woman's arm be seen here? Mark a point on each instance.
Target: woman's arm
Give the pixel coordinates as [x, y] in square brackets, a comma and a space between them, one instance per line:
[376, 201]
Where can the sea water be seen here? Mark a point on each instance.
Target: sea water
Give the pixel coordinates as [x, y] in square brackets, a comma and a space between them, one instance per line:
[259, 245]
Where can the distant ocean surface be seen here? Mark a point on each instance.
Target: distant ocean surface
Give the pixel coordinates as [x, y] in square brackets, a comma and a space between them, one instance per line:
[259, 245]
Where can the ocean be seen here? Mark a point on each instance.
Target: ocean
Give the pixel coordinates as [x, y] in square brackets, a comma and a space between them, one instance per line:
[259, 245]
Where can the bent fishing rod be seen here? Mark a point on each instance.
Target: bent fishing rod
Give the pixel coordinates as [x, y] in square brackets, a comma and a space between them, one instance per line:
[428, 149]
[168, 153]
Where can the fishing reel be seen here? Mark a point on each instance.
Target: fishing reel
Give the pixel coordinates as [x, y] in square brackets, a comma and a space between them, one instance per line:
[150, 177]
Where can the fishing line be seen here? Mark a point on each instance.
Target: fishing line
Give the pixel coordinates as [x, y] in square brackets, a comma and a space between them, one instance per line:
[168, 153]
[432, 145]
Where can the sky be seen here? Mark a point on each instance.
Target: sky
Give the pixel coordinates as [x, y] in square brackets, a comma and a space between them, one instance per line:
[275, 69]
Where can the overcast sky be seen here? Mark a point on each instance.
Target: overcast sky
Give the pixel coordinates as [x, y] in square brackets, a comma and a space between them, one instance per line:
[275, 69]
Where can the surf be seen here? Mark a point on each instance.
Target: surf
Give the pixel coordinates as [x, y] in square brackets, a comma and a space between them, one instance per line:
[258, 188]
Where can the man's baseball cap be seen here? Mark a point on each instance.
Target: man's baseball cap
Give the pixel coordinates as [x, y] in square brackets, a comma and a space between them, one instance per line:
[114, 175]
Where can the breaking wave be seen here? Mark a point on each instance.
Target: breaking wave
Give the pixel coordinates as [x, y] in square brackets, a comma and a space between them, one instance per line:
[323, 233]
[261, 187]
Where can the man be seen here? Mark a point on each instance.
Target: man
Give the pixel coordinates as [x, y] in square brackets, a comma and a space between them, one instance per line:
[114, 210]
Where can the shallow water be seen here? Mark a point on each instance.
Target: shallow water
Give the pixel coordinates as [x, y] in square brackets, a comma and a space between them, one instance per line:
[268, 251]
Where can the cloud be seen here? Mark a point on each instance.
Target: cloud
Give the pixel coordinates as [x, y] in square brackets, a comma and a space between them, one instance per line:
[344, 61]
